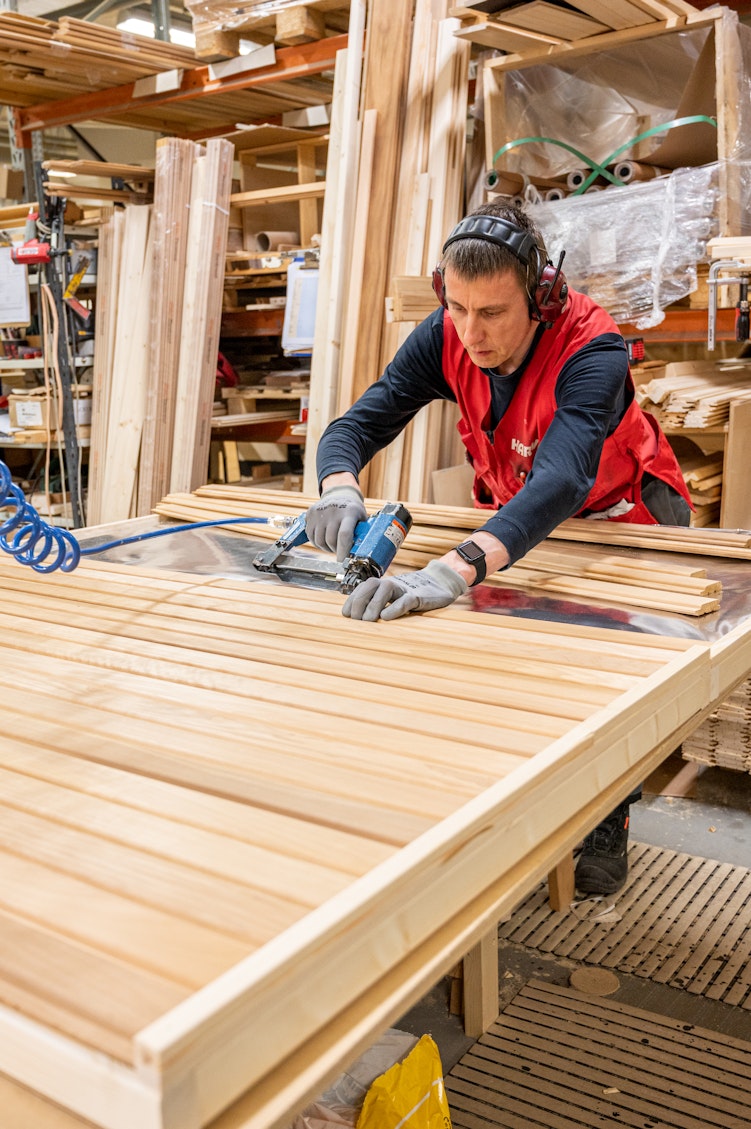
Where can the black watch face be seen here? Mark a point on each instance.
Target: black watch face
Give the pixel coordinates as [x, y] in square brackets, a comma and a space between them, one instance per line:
[471, 552]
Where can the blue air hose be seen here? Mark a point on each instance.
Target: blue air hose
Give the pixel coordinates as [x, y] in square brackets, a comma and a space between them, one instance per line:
[32, 541]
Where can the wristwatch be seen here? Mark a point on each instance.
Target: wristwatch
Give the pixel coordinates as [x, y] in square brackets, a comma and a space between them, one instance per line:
[471, 552]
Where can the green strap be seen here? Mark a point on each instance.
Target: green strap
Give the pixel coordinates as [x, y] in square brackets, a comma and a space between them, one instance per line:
[600, 169]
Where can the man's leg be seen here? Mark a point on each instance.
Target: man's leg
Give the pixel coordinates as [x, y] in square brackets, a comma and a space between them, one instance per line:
[602, 866]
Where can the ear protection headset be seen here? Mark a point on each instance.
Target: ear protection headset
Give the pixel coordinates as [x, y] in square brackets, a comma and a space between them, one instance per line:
[548, 292]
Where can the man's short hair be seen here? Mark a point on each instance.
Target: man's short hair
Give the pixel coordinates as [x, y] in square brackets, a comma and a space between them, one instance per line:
[479, 258]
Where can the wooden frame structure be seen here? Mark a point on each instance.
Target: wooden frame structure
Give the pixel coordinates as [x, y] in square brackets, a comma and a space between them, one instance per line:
[728, 71]
[276, 828]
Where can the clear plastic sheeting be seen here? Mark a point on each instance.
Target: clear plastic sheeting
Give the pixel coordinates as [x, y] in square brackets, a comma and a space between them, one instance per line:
[601, 101]
[634, 250]
[219, 15]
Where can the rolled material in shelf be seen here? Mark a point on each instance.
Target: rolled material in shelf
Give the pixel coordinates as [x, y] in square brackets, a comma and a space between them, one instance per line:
[576, 178]
[628, 171]
[273, 240]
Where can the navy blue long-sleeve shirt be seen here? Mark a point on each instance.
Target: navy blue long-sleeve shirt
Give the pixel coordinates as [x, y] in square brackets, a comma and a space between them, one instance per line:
[592, 394]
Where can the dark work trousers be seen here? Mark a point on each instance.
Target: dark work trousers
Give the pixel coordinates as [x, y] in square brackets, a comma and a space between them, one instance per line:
[668, 508]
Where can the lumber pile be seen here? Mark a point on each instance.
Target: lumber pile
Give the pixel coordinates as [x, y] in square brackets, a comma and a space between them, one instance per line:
[703, 476]
[588, 573]
[155, 370]
[45, 60]
[724, 738]
[533, 28]
[688, 395]
[410, 183]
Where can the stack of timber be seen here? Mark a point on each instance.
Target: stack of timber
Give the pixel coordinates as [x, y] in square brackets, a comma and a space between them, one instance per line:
[724, 738]
[197, 838]
[416, 124]
[590, 573]
[533, 28]
[44, 61]
[155, 369]
[703, 476]
[79, 175]
[684, 395]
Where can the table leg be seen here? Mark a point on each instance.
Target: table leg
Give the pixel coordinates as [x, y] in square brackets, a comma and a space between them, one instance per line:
[481, 985]
[561, 886]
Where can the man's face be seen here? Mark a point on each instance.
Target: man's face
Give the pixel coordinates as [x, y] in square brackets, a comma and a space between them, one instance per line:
[491, 316]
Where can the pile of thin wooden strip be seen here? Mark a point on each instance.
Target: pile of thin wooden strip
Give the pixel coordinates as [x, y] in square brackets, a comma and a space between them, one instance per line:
[79, 174]
[724, 739]
[703, 476]
[409, 183]
[694, 394]
[536, 26]
[674, 539]
[588, 573]
[158, 316]
[45, 59]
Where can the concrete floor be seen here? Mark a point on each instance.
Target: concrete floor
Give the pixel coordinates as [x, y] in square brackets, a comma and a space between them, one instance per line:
[704, 812]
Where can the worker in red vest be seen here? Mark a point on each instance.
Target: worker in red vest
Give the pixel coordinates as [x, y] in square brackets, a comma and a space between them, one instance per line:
[549, 420]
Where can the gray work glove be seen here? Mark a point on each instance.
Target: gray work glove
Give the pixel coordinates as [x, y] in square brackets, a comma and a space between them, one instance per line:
[330, 522]
[435, 586]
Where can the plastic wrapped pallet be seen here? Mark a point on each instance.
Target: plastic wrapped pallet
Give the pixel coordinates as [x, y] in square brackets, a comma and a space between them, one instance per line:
[635, 249]
[220, 15]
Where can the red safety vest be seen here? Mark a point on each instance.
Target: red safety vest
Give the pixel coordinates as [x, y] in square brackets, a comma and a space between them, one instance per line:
[501, 467]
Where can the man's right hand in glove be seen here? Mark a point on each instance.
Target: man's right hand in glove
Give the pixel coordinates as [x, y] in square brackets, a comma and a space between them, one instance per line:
[330, 522]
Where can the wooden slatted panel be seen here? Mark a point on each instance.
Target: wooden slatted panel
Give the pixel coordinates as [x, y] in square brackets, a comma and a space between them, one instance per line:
[590, 573]
[208, 788]
[559, 1059]
[682, 921]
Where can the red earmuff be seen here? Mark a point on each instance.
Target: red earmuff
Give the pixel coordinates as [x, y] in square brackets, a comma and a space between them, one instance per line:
[550, 294]
[547, 302]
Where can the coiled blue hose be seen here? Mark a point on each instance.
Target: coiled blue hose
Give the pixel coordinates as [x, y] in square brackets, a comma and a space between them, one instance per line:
[34, 540]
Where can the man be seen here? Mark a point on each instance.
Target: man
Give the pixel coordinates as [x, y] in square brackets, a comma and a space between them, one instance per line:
[550, 424]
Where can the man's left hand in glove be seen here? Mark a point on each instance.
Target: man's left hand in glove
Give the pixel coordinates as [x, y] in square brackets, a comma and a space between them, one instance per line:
[435, 586]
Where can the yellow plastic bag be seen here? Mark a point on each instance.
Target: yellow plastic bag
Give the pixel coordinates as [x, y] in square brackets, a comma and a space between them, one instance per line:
[410, 1095]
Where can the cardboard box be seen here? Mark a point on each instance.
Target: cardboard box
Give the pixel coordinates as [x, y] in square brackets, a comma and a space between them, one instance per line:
[31, 409]
[11, 183]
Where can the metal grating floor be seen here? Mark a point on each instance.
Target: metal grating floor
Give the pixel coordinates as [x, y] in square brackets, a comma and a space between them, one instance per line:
[559, 1059]
[681, 921]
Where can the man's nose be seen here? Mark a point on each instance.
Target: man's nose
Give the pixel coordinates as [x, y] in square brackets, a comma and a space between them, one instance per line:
[473, 329]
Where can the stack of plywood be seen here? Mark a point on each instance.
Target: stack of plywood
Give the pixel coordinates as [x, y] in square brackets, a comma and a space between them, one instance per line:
[159, 300]
[724, 739]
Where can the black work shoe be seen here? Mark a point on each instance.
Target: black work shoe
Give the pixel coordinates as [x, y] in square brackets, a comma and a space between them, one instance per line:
[602, 866]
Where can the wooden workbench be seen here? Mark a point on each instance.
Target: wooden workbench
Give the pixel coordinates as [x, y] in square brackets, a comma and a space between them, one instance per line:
[240, 834]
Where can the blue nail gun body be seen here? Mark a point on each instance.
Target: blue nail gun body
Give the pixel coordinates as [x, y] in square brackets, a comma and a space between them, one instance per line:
[377, 540]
